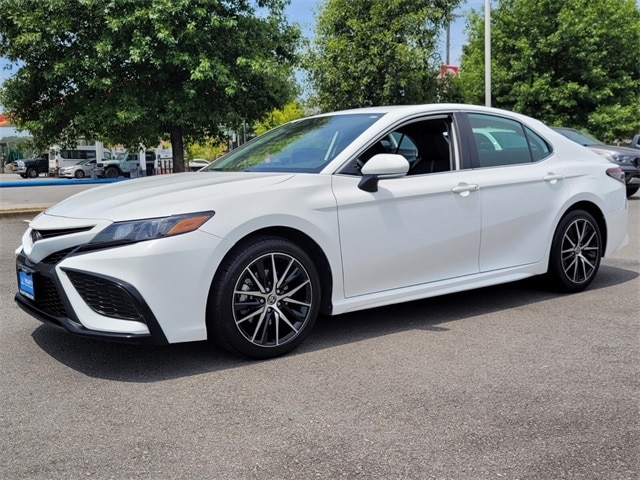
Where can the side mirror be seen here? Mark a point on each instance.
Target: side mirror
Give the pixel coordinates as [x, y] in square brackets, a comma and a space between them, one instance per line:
[382, 165]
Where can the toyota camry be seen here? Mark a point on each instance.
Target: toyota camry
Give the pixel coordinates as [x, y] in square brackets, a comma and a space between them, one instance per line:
[325, 215]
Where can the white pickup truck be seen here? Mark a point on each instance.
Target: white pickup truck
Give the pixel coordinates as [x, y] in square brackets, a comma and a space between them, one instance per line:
[124, 164]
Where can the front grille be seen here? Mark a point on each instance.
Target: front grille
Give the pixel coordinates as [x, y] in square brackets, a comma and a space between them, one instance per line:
[40, 234]
[105, 296]
[56, 257]
[47, 297]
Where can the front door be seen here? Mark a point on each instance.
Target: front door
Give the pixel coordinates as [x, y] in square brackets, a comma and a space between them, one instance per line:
[414, 229]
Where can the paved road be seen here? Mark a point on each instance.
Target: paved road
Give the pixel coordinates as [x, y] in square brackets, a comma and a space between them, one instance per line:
[23, 195]
[505, 382]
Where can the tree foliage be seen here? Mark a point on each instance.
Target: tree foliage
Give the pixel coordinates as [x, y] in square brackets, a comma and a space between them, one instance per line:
[209, 150]
[291, 111]
[572, 63]
[129, 71]
[374, 52]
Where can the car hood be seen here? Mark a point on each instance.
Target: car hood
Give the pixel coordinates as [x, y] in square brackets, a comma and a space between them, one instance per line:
[162, 195]
[614, 150]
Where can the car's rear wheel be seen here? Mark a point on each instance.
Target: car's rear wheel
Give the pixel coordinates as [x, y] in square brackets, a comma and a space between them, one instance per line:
[575, 252]
[265, 299]
[79, 173]
[111, 172]
[32, 173]
[632, 189]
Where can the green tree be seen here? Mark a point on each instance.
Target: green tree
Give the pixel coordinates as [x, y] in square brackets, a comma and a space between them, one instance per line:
[209, 150]
[291, 111]
[375, 52]
[572, 63]
[131, 71]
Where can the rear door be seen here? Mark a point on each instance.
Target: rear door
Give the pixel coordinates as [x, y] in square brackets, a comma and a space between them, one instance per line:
[522, 189]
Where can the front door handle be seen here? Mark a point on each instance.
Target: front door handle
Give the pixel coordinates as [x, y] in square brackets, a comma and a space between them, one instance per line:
[464, 189]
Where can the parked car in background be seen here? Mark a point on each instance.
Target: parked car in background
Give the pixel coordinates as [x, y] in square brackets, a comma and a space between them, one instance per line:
[81, 169]
[60, 158]
[328, 214]
[635, 142]
[627, 158]
[125, 163]
[32, 167]
[198, 163]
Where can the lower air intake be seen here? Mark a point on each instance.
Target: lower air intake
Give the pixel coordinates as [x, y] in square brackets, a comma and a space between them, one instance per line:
[105, 297]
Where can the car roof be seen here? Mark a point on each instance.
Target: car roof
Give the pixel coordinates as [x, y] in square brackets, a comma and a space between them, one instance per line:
[400, 111]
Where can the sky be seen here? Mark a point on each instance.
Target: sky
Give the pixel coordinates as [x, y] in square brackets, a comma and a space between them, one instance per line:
[304, 12]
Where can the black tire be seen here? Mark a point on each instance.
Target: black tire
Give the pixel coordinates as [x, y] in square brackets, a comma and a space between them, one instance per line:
[575, 252]
[111, 172]
[32, 173]
[632, 189]
[264, 300]
[79, 173]
[23, 175]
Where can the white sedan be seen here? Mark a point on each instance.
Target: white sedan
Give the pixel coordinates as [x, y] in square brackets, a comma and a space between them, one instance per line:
[325, 215]
[81, 169]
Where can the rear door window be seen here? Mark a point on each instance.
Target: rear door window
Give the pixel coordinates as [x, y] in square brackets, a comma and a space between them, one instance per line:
[502, 141]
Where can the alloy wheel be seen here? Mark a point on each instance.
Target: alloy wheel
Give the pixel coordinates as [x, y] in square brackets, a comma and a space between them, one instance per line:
[272, 300]
[580, 250]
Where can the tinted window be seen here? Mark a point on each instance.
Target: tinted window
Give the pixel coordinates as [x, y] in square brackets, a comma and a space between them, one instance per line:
[306, 145]
[501, 141]
[539, 148]
[579, 137]
[424, 143]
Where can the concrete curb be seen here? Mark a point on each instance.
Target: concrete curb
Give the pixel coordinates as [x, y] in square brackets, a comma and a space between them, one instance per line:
[61, 181]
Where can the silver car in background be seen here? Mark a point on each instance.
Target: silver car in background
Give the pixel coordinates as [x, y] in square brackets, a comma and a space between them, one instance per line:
[82, 169]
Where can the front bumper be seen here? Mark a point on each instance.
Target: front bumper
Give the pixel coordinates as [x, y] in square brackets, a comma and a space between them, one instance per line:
[148, 292]
[74, 328]
[52, 305]
[631, 173]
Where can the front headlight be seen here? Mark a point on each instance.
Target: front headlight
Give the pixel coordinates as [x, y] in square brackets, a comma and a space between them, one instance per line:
[622, 158]
[150, 229]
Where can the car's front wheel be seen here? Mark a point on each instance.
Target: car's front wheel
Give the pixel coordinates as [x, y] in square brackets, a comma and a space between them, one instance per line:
[265, 298]
[632, 189]
[575, 252]
[32, 173]
[111, 172]
[79, 173]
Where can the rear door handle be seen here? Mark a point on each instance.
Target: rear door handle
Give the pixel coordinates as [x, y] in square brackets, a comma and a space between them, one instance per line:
[552, 178]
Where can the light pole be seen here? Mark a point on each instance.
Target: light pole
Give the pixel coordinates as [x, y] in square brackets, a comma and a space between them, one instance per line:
[450, 16]
[487, 53]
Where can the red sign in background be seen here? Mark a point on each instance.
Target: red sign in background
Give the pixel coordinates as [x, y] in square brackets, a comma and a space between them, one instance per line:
[4, 122]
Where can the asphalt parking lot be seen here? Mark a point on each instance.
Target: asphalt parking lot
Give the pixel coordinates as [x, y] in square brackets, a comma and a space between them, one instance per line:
[508, 382]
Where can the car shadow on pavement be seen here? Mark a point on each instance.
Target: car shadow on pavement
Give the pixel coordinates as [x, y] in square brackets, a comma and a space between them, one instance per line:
[144, 364]
[433, 314]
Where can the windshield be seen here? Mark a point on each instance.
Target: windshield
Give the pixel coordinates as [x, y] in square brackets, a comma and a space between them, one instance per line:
[306, 145]
[579, 137]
